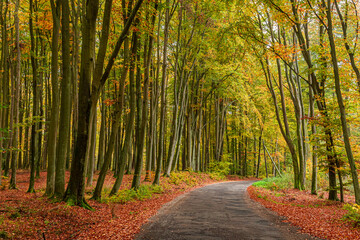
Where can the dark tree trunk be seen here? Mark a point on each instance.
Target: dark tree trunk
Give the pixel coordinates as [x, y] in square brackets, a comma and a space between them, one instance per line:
[76, 188]
[34, 147]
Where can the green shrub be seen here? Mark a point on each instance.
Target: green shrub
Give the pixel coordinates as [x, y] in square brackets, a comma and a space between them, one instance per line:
[221, 169]
[216, 176]
[15, 215]
[276, 183]
[263, 197]
[4, 235]
[126, 195]
[177, 177]
[353, 214]
[188, 177]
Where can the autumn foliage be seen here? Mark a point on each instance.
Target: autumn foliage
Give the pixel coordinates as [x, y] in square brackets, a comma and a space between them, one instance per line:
[312, 214]
[33, 216]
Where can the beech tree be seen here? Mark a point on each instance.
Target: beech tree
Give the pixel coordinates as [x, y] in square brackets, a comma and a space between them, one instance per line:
[149, 88]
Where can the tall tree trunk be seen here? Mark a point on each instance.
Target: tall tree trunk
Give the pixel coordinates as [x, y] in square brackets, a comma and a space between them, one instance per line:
[15, 101]
[34, 147]
[259, 155]
[319, 91]
[140, 147]
[175, 123]
[298, 183]
[285, 131]
[245, 173]
[92, 147]
[87, 102]
[65, 109]
[101, 150]
[314, 147]
[130, 122]
[54, 115]
[4, 88]
[150, 143]
[254, 168]
[163, 97]
[27, 115]
[41, 147]
[340, 101]
[76, 188]
[266, 169]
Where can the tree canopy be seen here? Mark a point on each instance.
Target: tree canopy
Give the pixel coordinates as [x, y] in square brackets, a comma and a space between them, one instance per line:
[249, 88]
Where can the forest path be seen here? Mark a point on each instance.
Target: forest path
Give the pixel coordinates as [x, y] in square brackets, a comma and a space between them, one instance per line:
[217, 211]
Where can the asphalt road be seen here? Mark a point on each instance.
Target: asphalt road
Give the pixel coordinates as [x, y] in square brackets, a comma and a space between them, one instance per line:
[214, 212]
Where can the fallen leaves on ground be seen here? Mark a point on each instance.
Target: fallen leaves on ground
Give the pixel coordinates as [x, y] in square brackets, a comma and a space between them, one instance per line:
[34, 216]
[316, 216]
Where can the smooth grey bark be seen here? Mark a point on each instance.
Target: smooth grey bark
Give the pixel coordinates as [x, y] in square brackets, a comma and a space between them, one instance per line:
[314, 171]
[91, 158]
[27, 115]
[139, 106]
[220, 117]
[245, 166]
[100, 75]
[21, 119]
[189, 135]
[101, 149]
[266, 169]
[114, 130]
[54, 113]
[163, 97]
[295, 93]
[14, 116]
[175, 133]
[74, 77]
[300, 126]
[254, 165]
[144, 117]
[156, 99]
[340, 101]
[96, 69]
[87, 101]
[318, 87]
[65, 108]
[75, 191]
[130, 121]
[151, 133]
[304, 121]
[285, 131]
[283, 124]
[139, 110]
[115, 127]
[199, 133]
[259, 155]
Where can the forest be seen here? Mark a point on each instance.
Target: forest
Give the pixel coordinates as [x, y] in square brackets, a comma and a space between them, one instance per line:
[103, 89]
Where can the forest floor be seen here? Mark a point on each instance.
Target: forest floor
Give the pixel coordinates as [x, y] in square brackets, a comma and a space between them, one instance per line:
[313, 214]
[33, 216]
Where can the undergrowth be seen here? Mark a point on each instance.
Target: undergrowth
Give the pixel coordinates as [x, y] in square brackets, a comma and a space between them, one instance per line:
[4, 235]
[126, 195]
[181, 179]
[219, 170]
[189, 178]
[276, 183]
[353, 214]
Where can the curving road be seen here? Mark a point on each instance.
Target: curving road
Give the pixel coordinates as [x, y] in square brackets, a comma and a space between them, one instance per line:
[218, 211]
